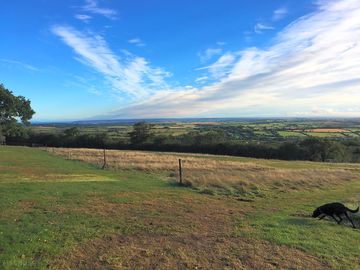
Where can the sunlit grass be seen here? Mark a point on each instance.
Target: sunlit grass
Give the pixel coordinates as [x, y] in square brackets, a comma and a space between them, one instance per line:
[221, 174]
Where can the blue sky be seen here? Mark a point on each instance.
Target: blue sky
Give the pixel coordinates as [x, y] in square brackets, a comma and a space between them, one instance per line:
[106, 59]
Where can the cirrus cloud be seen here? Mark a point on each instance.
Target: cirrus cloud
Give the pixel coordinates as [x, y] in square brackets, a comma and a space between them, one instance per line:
[130, 75]
[92, 6]
[280, 13]
[310, 66]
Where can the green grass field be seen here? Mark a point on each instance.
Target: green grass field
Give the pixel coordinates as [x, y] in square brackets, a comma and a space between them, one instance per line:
[64, 214]
[324, 134]
[290, 134]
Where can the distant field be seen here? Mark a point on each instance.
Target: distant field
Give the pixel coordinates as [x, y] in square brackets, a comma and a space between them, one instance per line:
[324, 134]
[238, 213]
[291, 134]
[321, 132]
[256, 130]
[327, 130]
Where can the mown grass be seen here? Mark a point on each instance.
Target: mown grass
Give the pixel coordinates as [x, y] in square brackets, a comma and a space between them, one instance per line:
[288, 222]
[44, 223]
[39, 195]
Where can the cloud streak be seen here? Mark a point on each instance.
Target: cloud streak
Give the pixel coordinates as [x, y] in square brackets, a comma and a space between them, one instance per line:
[260, 27]
[92, 6]
[82, 17]
[137, 42]
[208, 54]
[311, 68]
[130, 75]
[20, 64]
[221, 67]
[280, 13]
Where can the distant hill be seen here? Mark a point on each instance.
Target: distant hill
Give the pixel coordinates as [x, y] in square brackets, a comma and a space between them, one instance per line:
[186, 120]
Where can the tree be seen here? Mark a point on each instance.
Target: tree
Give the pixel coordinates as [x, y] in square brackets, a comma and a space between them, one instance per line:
[210, 137]
[290, 151]
[2, 137]
[141, 133]
[72, 132]
[324, 150]
[12, 110]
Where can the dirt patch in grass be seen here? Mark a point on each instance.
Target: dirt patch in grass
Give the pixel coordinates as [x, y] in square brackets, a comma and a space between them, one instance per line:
[22, 206]
[184, 252]
[170, 212]
[103, 208]
[26, 204]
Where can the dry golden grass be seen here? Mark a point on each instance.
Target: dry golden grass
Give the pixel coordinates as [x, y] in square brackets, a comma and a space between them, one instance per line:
[215, 175]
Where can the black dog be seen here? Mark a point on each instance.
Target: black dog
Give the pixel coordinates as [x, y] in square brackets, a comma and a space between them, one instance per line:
[332, 210]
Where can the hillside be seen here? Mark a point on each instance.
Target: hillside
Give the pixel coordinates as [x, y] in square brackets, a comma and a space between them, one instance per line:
[234, 213]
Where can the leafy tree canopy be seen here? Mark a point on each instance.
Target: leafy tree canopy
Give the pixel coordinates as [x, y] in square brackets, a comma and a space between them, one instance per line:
[141, 133]
[12, 110]
[72, 132]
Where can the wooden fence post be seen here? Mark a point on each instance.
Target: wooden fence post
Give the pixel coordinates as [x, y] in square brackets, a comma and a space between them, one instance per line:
[180, 172]
[104, 165]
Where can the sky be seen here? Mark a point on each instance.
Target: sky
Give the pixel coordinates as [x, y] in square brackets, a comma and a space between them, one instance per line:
[107, 59]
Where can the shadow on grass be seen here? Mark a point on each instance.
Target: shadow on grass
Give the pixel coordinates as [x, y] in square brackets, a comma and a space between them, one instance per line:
[306, 221]
[328, 221]
[175, 184]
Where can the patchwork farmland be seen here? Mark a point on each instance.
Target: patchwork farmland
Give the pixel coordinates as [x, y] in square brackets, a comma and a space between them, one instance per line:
[238, 129]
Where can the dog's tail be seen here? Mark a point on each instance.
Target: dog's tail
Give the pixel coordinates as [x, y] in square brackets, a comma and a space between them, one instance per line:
[353, 211]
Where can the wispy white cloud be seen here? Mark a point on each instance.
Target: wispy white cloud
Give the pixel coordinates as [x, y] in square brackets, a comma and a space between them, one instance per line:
[311, 68]
[321, 112]
[260, 27]
[202, 79]
[10, 62]
[93, 7]
[83, 83]
[209, 53]
[131, 75]
[248, 35]
[280, 13]
[83, 17]
[221, 67]
[137, 42]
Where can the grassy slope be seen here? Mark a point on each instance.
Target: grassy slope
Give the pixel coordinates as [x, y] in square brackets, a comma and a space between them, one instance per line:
[50, 206]
[36, 218]
[289, 225]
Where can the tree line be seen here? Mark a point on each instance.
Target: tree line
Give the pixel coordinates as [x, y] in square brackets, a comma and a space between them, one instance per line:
[212, 142]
